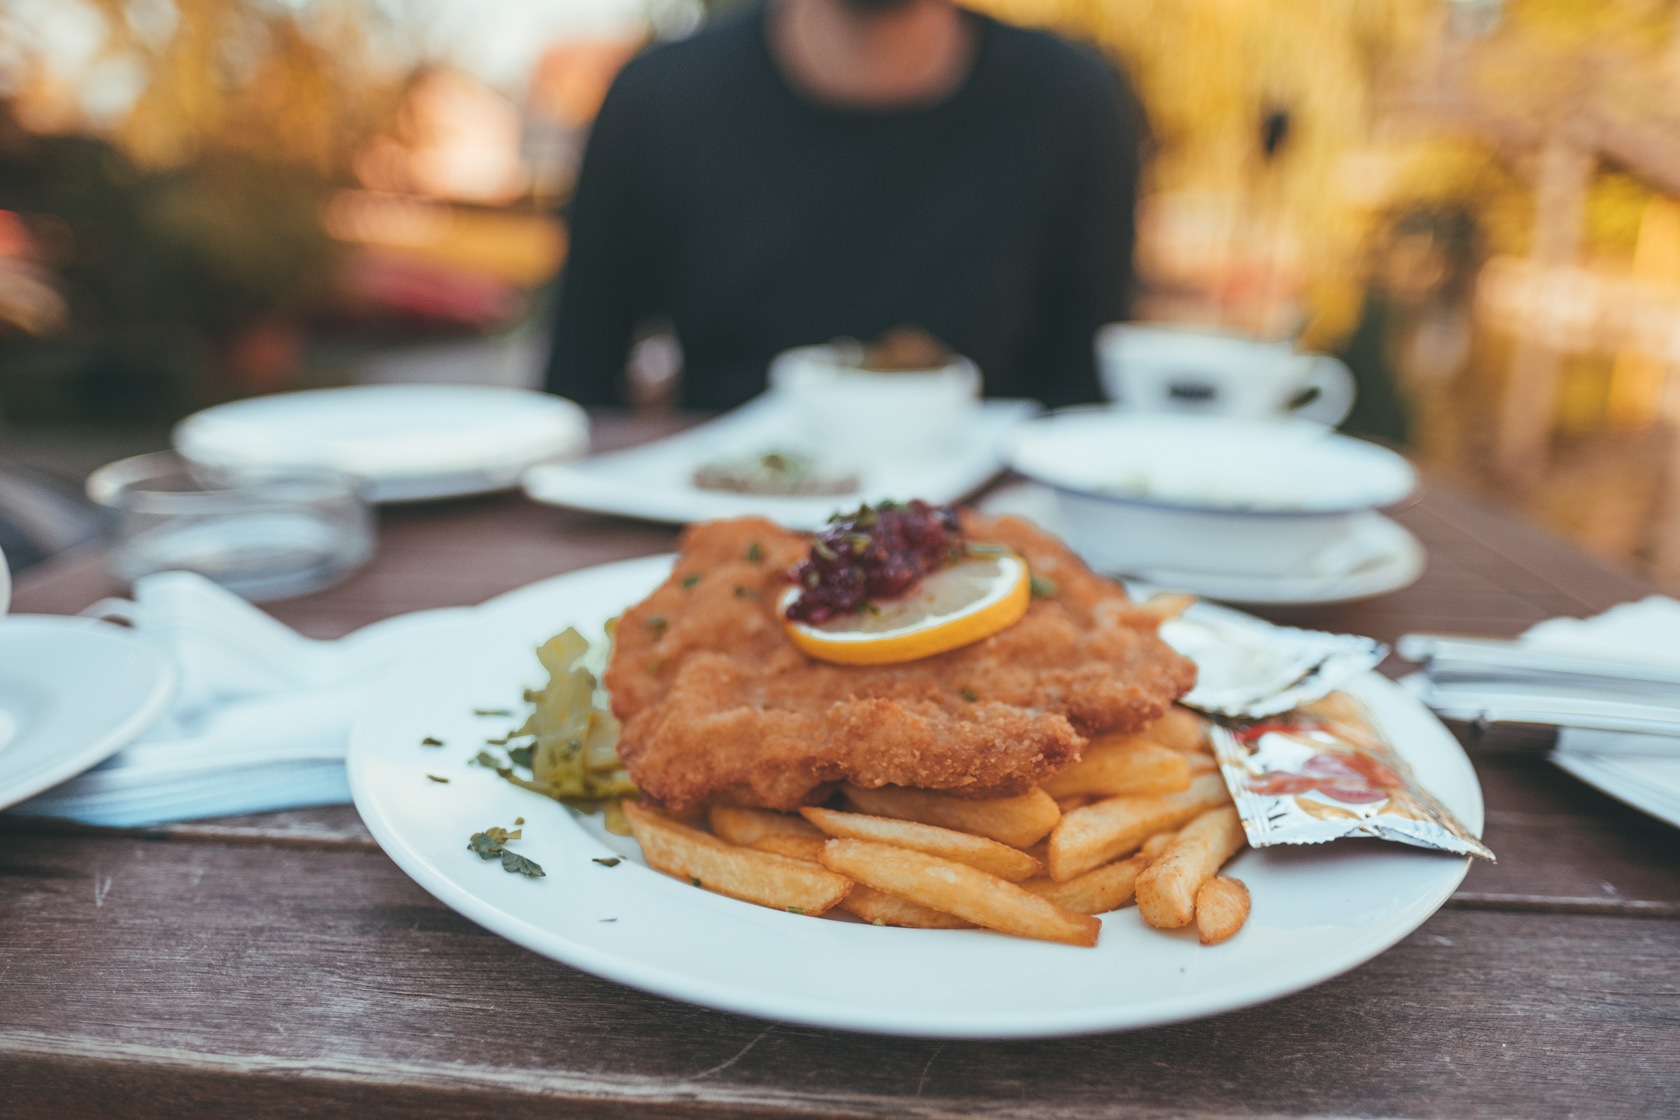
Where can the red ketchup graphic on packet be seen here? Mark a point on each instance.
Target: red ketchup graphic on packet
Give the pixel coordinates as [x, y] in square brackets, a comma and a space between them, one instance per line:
[1325, 771]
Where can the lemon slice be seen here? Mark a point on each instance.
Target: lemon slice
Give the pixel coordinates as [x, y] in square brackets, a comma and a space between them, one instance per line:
[957, 605]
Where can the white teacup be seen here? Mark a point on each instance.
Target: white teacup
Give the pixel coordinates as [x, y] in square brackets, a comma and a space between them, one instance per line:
[1149, 367]
[853, 415]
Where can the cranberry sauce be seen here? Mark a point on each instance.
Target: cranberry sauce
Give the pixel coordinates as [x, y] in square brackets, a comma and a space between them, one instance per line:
[877, 553]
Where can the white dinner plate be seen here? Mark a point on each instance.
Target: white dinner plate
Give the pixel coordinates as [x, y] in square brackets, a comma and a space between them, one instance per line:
[73, 692]
[654, 482]
[407, 442]
[1318, 911]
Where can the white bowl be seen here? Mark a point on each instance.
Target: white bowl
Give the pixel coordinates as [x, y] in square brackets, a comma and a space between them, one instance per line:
[853, 415]
[1205, 494]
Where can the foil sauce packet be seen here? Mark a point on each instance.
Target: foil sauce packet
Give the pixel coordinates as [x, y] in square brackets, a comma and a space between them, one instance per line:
[1322, 771]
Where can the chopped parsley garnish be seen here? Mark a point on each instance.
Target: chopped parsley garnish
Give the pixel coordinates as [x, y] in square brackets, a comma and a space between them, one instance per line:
[796, 910]
[755, 553]
[879, 922]
[656, 623]
[487, 760]
[1042, 587]
[613, 861]
[695, 879]
[747, 593]
[440, 781]
[429, 741]
[653, 666]
[492, 712]
[968, 694]
[515, 863]
[492, 844]
[690, 581]
[521, 756]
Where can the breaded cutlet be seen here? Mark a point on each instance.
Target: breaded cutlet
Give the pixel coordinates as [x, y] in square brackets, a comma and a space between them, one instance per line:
[717, 703]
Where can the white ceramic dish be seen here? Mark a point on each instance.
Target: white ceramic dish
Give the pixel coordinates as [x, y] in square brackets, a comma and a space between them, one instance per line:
[407, 442]
[857, 415]
[1376, 557]
[73, 692]
[655, 481]
[1244, 497]
[1163, 367]
[1317, 912]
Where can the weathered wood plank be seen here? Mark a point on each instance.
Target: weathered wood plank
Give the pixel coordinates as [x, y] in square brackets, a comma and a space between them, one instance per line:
[257, 979]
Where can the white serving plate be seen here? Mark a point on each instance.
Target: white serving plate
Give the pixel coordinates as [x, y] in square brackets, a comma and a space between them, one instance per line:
[655, 481]
[407, 442]
[73, 692]
[1317, 911]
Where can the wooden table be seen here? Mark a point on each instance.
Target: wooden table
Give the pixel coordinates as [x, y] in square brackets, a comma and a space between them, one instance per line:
[279, 965]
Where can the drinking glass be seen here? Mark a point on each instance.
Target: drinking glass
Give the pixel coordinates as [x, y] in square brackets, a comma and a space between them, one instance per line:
[263, 535]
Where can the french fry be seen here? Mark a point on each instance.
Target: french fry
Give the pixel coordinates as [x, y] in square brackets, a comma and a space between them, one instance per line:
[1118, 766]
[976, 851]
[744, 873]
[746, 826]
[1222, 907]
[1016, 821]
[1090, 837]
[1167, 605]
[883, 909]
[1166, 891]
[1156, 844]
[1180, 730]
[693, 815]
[866, 902]
[959, 889]
[1201, 763]
[1072, 801]
[787, 844]
[1107, 888]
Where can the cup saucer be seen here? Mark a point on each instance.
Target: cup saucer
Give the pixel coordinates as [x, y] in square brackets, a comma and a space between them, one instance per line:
[1385, 557]
[73, 692]
[1377, 556]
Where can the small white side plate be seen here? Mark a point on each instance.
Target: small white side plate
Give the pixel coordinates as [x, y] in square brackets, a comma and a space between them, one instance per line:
[73, 692]
[1318, 911]
[408, 442]
[655, 481]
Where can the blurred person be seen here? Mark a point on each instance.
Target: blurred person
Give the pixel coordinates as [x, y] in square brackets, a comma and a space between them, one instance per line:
[814, 169]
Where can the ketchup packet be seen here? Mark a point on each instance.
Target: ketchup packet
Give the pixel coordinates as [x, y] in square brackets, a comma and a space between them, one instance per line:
[1323, 771]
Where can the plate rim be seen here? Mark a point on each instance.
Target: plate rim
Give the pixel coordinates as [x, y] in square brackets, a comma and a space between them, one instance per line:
[123, 731]
[720, 995]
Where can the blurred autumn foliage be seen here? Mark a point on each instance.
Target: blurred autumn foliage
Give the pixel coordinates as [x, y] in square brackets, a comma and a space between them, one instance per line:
[186, 239]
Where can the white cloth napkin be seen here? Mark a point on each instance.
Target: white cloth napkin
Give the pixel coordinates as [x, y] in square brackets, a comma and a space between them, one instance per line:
[1607, 683]
[1642, 633]
[261, 718]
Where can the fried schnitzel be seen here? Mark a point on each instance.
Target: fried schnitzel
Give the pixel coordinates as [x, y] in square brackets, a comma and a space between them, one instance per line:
[716, 702]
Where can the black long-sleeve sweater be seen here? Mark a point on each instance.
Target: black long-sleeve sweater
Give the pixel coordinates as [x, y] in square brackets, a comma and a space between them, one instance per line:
[756, 219]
